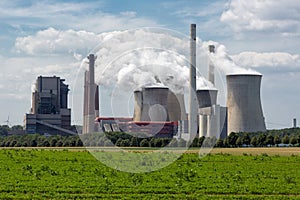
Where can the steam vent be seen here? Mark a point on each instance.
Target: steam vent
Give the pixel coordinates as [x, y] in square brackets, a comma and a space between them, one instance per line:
[245, 112]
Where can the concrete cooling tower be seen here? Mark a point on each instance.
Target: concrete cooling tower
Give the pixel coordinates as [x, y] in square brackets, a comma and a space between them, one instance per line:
[158, 104]
[176, 107]
[207, 98]
[245, 112]
[154, 104]
[137, 106]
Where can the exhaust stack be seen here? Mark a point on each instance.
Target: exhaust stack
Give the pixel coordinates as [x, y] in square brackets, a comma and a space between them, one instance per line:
[211, 67]
[192, 89]
[90, 100]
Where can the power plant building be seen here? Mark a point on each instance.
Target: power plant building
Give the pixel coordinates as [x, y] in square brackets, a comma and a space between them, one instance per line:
[49, 111]
[158, 110]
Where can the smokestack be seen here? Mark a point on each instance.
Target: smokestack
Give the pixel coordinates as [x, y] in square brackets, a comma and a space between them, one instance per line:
[211, 67]
[85, 101]
[91, 95]
[192, 89]
[245, 112]
[294, 123]
[97, 100]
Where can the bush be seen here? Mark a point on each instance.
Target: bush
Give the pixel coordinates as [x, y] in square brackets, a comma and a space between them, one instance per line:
[144, 143]
[125, 143]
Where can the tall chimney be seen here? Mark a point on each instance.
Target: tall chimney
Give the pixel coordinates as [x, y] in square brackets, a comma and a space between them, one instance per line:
[85, 101]
[97, 100]
[192, 89]
[91, 95]
[294, 123]
[211, 67]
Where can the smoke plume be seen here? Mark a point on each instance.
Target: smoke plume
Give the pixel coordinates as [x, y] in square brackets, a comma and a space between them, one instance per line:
[133, 59]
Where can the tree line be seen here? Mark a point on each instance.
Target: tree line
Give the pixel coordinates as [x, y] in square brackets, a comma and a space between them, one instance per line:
[284, 137]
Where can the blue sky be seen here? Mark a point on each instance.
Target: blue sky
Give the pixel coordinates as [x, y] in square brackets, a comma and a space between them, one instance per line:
[261, 35]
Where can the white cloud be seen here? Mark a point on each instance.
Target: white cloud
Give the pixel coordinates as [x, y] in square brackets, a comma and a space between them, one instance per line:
[280, 16]
[87, 16]
[53, 41]
[271, 59]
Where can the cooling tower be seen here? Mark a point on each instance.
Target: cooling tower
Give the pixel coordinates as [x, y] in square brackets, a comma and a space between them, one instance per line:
[137, 106]
[207, 97]
[176, 107]
[154, 104]
[245, 112]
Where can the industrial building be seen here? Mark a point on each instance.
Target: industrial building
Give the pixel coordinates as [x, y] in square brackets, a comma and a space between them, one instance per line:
[158, 111]
[49, 112]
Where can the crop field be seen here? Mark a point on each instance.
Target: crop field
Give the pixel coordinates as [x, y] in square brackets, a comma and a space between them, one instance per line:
[69, 174]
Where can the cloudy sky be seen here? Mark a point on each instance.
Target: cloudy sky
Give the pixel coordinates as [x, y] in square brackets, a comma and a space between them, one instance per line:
[51, 38]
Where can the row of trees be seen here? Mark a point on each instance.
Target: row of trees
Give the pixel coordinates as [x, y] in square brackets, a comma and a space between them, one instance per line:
[261, 140]
[270, 138]
[5, 129]
[126, 140]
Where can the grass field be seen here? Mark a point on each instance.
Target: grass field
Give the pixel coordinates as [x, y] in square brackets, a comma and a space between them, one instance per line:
[75, 173]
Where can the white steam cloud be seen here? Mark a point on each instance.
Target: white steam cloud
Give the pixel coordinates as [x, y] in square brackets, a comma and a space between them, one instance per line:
[132, 59]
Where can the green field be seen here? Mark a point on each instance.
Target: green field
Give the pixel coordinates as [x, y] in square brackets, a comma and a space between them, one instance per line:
[66, 174]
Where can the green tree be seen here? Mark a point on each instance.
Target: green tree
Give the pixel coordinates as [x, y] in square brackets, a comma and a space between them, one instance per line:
[66, 143]
[125, 143]
[253, 141]
[79, 142]
[59, 143]
[200, 141]
[285, 139]
[134, 142]
[293, 140]
[118, 142]
[152, 142]
[13, 143]
[144, 143]
[277, 140]
[195, 142]
[298, 139]
[53, 142]
[4, 129]
[46, 143]
[270, 140]
[158, 142]
[246, 139]
[239, 142]
[261, 140]
[219, 143]
[17, 127]
[232, 139]
[225, 143]
[33, 143]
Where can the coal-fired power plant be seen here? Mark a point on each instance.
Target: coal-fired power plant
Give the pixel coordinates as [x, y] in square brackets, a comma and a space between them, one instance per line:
[160, 112]
[245, 112]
